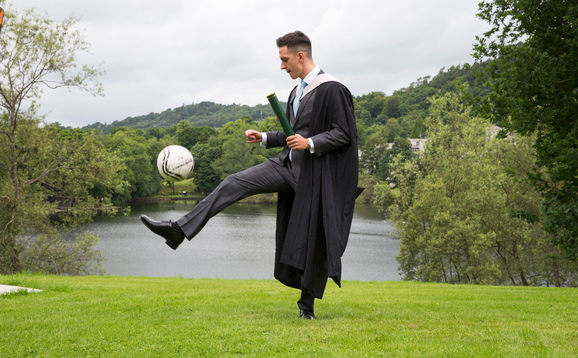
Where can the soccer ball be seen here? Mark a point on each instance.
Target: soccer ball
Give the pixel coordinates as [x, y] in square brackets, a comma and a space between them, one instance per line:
[175, 163]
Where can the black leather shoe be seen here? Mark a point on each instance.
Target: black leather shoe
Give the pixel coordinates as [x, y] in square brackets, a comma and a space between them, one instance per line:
[165, 230]
[307, 314]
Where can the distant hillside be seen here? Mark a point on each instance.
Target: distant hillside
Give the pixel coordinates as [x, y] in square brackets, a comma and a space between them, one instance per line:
[372, 108]
[199, 114]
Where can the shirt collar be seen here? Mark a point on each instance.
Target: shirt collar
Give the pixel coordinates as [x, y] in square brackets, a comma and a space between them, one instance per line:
[314, 72]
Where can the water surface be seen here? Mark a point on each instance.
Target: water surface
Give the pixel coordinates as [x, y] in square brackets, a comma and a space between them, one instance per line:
[238, 243]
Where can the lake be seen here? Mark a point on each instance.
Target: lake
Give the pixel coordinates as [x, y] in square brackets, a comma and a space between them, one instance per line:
[238, 243]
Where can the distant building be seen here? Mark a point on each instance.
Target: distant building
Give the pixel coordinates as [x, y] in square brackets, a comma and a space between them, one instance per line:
[418, 145]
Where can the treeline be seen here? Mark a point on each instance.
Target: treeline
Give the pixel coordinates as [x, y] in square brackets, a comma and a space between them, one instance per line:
[217, 153]
[406, 105]
[201, 114]
[220, 151]
[219, 147]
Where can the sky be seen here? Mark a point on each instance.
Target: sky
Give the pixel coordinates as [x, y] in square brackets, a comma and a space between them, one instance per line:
[160, 55]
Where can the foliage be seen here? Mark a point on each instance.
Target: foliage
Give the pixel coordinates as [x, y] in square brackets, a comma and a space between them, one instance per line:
[400, 150]
[179, 317]
[384, 197]
[204, 175]
[368, 183]
[43, 167]
[406, 172]
[373, 149]
[188, 136]
[139, 158]
[409, 104]
[533, 46]
[473, 217]
[53, 254]
[199, 114]
[237, 153]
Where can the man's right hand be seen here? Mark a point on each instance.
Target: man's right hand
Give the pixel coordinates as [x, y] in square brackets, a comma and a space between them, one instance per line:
[253, 136]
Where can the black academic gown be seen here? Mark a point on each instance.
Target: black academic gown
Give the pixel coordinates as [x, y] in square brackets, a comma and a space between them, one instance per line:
[313, 223]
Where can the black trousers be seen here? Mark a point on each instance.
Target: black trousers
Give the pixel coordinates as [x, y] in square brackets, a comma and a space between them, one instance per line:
[267, 177]
[306, 301]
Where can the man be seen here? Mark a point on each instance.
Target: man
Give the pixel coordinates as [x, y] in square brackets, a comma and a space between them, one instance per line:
[315, 176]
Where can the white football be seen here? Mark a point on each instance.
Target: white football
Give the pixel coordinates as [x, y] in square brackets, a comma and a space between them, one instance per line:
[175, 163]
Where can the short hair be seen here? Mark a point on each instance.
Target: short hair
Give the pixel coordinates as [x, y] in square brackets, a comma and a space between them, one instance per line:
[296, 41]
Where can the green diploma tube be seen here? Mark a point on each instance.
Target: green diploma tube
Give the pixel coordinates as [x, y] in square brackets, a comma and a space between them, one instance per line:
[280, 114]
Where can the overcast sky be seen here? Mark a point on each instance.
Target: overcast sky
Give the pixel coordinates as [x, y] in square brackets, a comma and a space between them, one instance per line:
[163, 54]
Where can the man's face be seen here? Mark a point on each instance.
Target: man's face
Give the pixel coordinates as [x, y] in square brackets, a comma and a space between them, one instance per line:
[291, 63]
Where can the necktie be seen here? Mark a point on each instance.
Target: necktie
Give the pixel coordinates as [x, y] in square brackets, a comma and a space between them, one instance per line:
[296, 107]
[297, 97]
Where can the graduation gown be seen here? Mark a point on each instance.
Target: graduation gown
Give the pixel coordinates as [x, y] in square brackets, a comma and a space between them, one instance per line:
[313, 223]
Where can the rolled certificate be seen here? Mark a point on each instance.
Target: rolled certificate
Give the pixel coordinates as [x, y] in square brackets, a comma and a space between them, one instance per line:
[280, 114]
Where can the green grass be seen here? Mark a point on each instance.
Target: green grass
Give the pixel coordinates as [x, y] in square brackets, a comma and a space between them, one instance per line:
[177, 317]
[183, 185]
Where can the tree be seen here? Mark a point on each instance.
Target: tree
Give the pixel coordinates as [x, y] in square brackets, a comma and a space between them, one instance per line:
[532, 47]
[204, 175]
[393, 129]
[373, 102]
[186, 134]
[139, 158]
[400, 147]
[372, 150]
[474, 218]
[237, 154]
[391, 108]
[270, 124]
[42, 166]
[418, 129]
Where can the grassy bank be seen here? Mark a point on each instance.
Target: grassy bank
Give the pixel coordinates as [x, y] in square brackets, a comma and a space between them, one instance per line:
[167, 192]
[176, 317]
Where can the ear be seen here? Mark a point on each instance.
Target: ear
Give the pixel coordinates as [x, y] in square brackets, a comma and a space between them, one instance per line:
[300, 56]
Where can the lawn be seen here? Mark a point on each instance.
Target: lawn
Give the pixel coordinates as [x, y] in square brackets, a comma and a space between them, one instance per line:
[176, 317]
[183, 185]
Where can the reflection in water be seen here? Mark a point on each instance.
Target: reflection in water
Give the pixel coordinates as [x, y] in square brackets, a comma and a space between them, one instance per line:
[237, 243]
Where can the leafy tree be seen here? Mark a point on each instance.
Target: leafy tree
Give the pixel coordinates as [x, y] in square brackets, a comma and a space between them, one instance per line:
[139, 158]
[373, 102]
[362, 116]
[43, 167]
[185, 134]
[204, 133]
[45, 170]
[204, 175]
[406, 173]
[418, 128]
[473, 217]
[401, 147]
[533, 46]
[369, 183]
[381, 119]
[372, 150]
[393, 129]
[237, 153]
[391, 108]
[188, 136]
[270, 124]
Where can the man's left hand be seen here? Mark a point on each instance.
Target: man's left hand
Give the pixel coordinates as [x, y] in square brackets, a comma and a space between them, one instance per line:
[297, 142]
